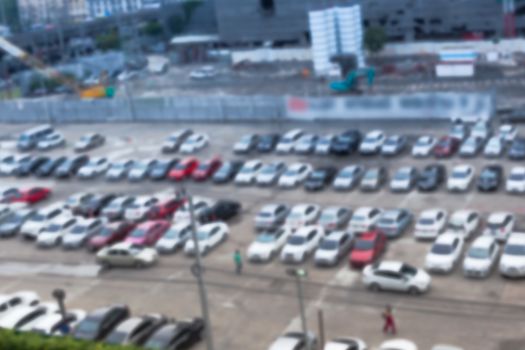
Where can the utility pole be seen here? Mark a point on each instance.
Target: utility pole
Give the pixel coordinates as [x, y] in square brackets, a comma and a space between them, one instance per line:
[298, 274]
[197, 270]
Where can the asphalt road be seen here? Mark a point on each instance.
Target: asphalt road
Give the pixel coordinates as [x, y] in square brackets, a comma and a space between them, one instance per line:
[249, 311]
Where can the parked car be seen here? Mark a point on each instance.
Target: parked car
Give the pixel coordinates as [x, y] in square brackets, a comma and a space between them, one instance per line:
[305, 144]
[445, 253]
[181, 335]
[367, 248]
[30, 166]
[267, 143]
[459, 131]
[209, 236]
[301, 244]
[30, 195]
[516, 180]
[494, 147]
[81, 232]
[500, 225]
[13, 221]
[294, 175]
[93, 207]
[199, 205]
[373, 179]
[481, 257]
[431, 178]
[115, 209]
[227, 171]
[53, 233]
[464, 222]
[302, 215]
[109, 234]
[89, 141]
[70, 166]
[10, 163]
[148, 233]
[490, 178]
[127, 254]
[393, 145]
[51, 141]
[174, 238]
[288, 140]
[141, 169]
[165, 208]
[346, 143]
[99, 323]
[175, 140]
[32, 227]
[323, 143]
[249, 172]
[446, 147]
[372, 142]
[52, 322]
[268, 244]
[394, 222]
[332, 248]
[398, 344]
[404, 179]
[320, 178]
[424, 146]
[481, 130]
[471, 147]
[75, 201]
[222, 210]
[334, 218]
[50, 166]
[460, 178]
[184, 169]
[93, 168]
[271, 216]
[269, 173]
[396, 276]
[364, 219]
[431, 224]
[508, 132]
[246, 144]
[135, 330]
[345, 343]
[119, 170]
[348, 177]
[294, 341]
[206, 169]
[194, 143]
[24, 317]
[162, 168]
[517, 149]
[512, 261]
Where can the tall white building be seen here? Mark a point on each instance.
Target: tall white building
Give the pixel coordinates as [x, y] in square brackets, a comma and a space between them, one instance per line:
[104, 8]
[51, 11]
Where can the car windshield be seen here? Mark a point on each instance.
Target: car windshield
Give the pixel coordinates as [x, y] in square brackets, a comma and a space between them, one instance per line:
[140, 165]
[296, 240]
[38, 218]
[470, 143]
[493, 226]
[203, 166]
[517, 176]
[266, 238]
[479, 128]
[371, 138]
[246, 139]
[173, 233]
[488, 175]
[118, 165]
[13, 219]
[291, 172]
[269, 170]
[408, 270]
[88, 326]
[494, 142]
[247, 170]
[78, 229]
[392, 141]
[455, 226]
[441, 249]
[426, 222]
[371, 174]
[54, 228]
[138, 233]
[327, 217]
[460, 174]
[347, 173]
[515, 249]
[387, 222]
[323, 141]
[105, 232]
[358, 218]
[317, 175]
[328, 244]
[295, 216]
[202, 235]
[362, 244]
[265, 214]
[423, 141]
[478, 253]
[116, 338]
[402, 175]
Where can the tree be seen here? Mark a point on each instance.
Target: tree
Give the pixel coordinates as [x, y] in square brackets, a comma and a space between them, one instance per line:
[108, 41]
[375, 39]
[12, 18]
[176, 24]
[152, 28]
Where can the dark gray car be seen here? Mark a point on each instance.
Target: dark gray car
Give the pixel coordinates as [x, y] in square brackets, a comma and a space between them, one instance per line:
[12, 223]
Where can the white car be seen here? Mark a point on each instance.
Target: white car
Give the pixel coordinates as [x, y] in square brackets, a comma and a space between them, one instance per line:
[51, 141]
[208, 236]
[139, 170]
[288, 140]
[323, 144]
[500, 225]
[24, 315]
[460, 178]
[245, 144]
[481, 130]
[305, 144]
[444, 253]
[464, 222]
[194, 143]
[395, 276]
[140, 206]
[11, 162]
[248, 173]
[512, 261]
[174, 238]
[334, 217]
[52, 235]
[332, 248]
[345, 343]
[508, 132]
[268, 244]
[199, 205]
[93, 168]
[36, 223]
[348, 177]
[364, 219]
[398, 344]
[203, 73]
[372, 142]
[481, 257]
[470, 147]
[431, 223]
[46, 309]
[516, 180]
[9, 302]
[81, 232]
[301, 244]
[301, 215]
[127, 254]
[271, 216]
[50, 324]
[445, 347]
[404, 179]
[269, 173]
[423, 146]
[494, 147]
[294, 341]
[75, 200]
[294, 175]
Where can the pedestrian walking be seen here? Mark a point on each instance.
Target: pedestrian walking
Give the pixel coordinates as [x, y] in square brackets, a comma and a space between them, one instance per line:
[237, 259]
[389, 323]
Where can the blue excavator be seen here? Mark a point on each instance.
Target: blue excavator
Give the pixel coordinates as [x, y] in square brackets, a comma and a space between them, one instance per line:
[351, 82]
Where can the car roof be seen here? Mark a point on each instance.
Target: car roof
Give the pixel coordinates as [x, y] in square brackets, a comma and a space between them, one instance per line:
[363, 210]
[122, 245]
[431, 213]
[251, 163]
[517, 170]
[404, 169]
[293, 132]
[425, 138]
[142, 199]
[483, 241]
[462, 167]
[296, 166]
[129, 324]
[62, 219]
[446, 238]
[498, 217]
[391, 213]
[332, 209]
[335, 235]
[269, 207]
[516, 238]
[305, 230]
[374, 133]
[300, 208]
[210, 226]
[461, 215]
[390, 265]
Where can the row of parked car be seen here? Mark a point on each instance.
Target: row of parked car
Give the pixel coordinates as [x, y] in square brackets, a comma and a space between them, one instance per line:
[467, 142]
[23, 312]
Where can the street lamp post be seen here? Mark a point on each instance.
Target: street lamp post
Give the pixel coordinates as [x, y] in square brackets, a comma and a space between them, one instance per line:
[298, 274]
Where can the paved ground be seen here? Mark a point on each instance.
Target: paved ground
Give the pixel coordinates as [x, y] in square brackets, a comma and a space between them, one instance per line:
[248, 312]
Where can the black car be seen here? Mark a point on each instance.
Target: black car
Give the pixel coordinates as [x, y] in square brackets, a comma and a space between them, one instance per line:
[135, 330]
[346, 143]
[181, 335]
[70, 167]
[161, 169]
[267, 142]
[29, 166]
[223, 210]
[431, 177]
[98, 324]
[94, 205]
[227, 171]
[490, 178]
[50, 166]
[517, 149]
[320, 178]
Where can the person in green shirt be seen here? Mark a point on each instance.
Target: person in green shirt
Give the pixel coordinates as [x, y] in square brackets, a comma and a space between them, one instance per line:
[237, 259]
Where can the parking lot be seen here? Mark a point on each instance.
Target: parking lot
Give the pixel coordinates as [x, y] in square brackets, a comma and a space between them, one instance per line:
[249, 311]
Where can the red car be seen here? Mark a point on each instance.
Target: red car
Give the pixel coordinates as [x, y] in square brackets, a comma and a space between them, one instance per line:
[110, 233]
[148, 233]
[446, 147]
[30, 195]
[367, 248]
[164, 209]
[184, 169]
[207, 169]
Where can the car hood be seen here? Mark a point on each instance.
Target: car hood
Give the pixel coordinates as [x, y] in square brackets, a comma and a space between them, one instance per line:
[476, 264]
[137, 172]
[326, 254]
[294, 249]
[8, 227]
[73, 238]
[361, 255]
[439, 260]
[512, 260]
[342, 181]
[168, 242]
[136, 240]
[260, 248]
[98, 241]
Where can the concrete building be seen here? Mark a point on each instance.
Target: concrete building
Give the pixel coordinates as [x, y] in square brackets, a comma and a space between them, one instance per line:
[51, 11]
[103, 8]
[287, 20]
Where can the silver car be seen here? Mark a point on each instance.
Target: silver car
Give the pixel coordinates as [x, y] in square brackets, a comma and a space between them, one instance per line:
[332, 248]
[271, 216]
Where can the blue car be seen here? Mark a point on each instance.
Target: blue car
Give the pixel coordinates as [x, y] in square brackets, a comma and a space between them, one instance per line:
[394, 222]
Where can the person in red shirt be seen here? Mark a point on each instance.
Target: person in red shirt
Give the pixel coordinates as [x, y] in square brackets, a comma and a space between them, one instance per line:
[388, 317]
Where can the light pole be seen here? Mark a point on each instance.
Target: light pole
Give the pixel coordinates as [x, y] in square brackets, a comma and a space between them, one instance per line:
[298, 274]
